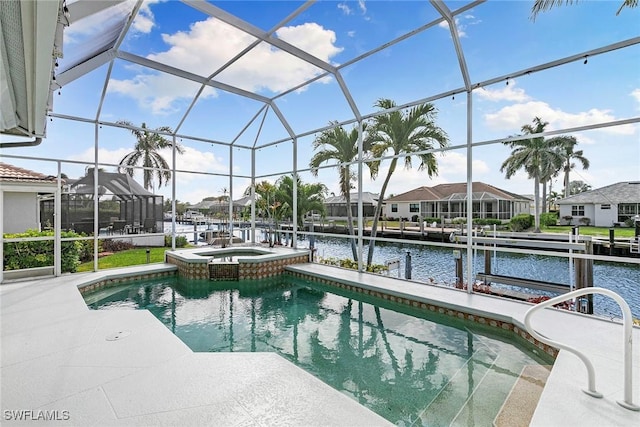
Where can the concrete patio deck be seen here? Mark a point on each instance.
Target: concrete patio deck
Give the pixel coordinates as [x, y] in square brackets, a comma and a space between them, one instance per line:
[126, 368]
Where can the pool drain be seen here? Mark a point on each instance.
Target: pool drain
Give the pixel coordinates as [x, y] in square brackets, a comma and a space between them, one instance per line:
[117, 335]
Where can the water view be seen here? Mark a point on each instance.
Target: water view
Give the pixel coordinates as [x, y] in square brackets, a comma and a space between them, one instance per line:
[433, 264]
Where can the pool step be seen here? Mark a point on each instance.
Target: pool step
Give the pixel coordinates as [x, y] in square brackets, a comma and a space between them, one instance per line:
[519, 406]
[459, 392]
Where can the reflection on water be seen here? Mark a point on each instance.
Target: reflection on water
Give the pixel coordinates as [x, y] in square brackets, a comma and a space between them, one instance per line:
[432, 263]
[394, 360]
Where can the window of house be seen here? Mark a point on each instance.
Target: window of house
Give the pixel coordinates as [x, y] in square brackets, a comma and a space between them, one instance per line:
[394, 207]
[577, 210]
[605, 206]
[414, 207]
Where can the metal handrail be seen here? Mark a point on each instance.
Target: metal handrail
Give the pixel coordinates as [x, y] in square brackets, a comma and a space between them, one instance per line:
[626, 337]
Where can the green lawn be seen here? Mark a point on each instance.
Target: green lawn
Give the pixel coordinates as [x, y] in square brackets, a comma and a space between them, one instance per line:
[125, 258]
[602, 232]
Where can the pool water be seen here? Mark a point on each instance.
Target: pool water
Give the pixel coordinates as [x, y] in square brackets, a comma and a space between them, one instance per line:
[409, 366]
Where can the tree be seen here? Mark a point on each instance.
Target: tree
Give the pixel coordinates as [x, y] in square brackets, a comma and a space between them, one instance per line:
[568, 154]
[543, 5]
[577, 187]
[534, 156]
[341, 146]
[403, 134]
[310, 197]
[149, 141]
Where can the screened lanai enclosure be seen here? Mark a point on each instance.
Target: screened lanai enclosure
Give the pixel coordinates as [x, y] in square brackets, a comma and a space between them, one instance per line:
[124, 206]
[235, 96]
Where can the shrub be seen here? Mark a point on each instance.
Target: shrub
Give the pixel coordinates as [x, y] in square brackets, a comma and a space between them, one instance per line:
[585, 221]
[86, 249]
[181, 241]
[487, 221]
[431, 220]
[548, 219]
[415, 218]
[110, 245]
[521, 222]
[21, 255]
[349, 263]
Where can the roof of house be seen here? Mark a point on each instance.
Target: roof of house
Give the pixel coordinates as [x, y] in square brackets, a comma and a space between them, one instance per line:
[10, 173]
[620, 192]
[367, 197]
[455, 191]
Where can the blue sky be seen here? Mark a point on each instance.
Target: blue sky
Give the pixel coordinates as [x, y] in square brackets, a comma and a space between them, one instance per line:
[497, 38]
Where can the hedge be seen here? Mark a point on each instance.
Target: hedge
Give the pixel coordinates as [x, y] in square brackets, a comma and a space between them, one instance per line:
[521, 222]
[21, 255]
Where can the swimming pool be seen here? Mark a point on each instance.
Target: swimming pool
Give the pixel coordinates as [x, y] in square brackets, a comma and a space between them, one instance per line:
[408, 365]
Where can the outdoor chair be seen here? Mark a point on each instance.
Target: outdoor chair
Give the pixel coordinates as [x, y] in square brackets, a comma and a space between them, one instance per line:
[149, 225]
[118, 226]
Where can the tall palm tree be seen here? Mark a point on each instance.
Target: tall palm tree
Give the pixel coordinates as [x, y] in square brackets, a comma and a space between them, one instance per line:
[534, 156]
[404, 133]
[568, 155]
[341, 146]
[146, 152]
[543, 5]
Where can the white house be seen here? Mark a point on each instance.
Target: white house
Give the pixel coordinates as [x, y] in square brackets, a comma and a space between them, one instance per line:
[450, 201]
[603, 207]
[20, 193]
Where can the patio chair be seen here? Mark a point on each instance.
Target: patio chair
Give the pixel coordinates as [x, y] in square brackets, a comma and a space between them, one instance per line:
[149, 225]
[118, 226]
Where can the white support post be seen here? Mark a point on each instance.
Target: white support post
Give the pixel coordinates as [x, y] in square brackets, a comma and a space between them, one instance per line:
[230, 194]
[96, 177]
[470, 259]
[173, 195]
[295, 193]
[57, 225]
[253, 196]
[360, 206]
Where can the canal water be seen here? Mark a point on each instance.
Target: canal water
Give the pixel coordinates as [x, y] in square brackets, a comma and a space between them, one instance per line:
[433, 264]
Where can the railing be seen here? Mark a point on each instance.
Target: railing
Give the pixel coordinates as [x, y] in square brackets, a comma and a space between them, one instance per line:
[627, 339]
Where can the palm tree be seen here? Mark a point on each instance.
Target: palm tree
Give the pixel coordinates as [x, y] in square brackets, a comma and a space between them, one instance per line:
[534, 155]
[146, 152]
[341, 146]
[568, 154]
[542, 5]
[404, 133]
[310, 197]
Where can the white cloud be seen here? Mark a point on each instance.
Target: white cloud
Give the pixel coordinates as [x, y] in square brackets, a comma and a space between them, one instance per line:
[158, 92]
[514, 116]
[351, 33]
[263, 68]
[345, 8]
[362, 5]
[461, 24]
[507, 93]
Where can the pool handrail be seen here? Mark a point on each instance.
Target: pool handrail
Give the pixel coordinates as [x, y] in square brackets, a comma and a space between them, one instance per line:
[627, 330]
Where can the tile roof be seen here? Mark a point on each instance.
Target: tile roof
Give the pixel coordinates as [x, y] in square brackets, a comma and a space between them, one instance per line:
[10, 173]
[443, 191]
[620, 192]
[367, 197]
